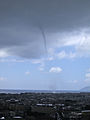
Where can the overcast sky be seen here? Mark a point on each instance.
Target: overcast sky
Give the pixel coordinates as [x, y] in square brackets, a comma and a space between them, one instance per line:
[44, 44]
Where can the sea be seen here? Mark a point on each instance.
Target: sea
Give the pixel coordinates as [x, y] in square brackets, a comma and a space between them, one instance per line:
[17, 91]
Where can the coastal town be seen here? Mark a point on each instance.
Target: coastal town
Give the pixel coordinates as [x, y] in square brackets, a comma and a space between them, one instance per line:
[45, 106]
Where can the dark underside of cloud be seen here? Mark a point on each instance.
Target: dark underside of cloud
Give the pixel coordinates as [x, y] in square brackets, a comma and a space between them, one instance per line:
[27, 26]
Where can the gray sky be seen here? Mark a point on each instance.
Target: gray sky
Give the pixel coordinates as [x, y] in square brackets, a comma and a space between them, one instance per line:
[20, 20]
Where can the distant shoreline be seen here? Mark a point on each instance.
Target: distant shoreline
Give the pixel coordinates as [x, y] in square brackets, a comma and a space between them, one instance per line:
[40, 91]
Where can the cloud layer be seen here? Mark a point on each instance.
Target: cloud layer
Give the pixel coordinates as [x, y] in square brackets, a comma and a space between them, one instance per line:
[64, 23]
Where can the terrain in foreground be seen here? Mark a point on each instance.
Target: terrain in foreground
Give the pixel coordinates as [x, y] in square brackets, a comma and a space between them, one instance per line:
[45, 106]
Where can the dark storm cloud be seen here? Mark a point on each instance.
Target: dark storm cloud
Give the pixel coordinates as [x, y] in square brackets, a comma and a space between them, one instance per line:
[19, 23]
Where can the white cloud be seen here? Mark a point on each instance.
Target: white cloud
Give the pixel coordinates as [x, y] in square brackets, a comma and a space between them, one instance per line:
[87, 76]
[72, 55]
[55, 70]
[27, 73]
[63, 54]
[89, 70]
[50, 58]
[79, 40]
[2, 78]
[13, 60]
[51, 51]
[37, 61]
[73, 81]
[87, 80]
[41, 67]
[3, 54]
[41, 63]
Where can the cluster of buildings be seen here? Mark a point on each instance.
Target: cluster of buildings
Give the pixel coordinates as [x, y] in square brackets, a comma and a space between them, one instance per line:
[45, 106]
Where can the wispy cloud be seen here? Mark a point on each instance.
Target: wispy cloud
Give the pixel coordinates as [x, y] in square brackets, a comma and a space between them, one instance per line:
[13, 60]
[42, 66]
[3, 78]
[73, 81]
[87, 76]
[27, 73]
